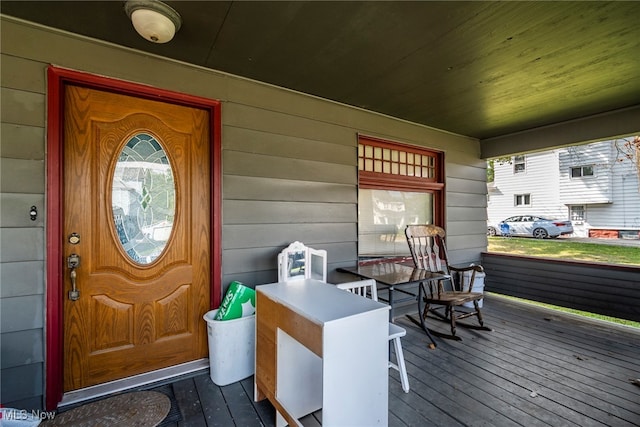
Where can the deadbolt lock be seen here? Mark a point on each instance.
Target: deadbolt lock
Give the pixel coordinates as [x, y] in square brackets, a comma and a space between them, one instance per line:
[74, 238]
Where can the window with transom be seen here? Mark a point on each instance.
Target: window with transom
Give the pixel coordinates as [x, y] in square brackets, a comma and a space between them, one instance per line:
[398, 185]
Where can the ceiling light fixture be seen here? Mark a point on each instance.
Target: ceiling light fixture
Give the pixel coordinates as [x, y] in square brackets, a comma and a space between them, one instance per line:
[153, 20]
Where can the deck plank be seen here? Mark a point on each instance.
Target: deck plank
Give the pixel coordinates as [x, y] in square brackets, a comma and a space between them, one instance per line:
[497, 382]
[214, 407]
[463, 381]
[582, 370]
[564, 383]
[579, 370]
[189, 402]
[456, 397]
[573, 378]
[240, 406]
[263, 408]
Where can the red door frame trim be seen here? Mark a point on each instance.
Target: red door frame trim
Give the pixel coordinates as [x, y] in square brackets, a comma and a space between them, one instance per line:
[57, 79]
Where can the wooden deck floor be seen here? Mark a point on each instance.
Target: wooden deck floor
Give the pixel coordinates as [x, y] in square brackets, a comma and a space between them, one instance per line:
[536, 368]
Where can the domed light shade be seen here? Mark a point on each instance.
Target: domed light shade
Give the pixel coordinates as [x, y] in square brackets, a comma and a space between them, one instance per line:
[153, 20]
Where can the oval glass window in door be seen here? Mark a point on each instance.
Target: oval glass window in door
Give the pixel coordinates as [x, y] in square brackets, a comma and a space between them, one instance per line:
[143, 198]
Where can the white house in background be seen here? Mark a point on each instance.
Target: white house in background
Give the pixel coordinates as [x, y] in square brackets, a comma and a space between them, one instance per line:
[586, 183]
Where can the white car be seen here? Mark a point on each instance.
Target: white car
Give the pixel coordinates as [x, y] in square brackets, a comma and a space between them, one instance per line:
[531, 226]
[493, 229]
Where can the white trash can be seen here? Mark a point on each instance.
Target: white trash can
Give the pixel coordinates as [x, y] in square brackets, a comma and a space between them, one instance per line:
[232, 346]
[478, 286]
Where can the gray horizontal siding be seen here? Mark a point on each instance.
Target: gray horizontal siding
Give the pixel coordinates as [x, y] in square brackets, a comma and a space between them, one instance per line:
[268, 212]
[21, 176]
[465, 213]
[238, 187]
[21, 73]
[21, 347]
[285, 146]
[295, 183]
[596, 288]
[22, 313]
[15, 210]
[22, 142]
[260, 165]
[460, 185]
[467, 228]
[22, 386]
[21, 350]
[21, 278]
[22, 245]
[243, 236]
[21, 107]
[288, 123]
[466, 200]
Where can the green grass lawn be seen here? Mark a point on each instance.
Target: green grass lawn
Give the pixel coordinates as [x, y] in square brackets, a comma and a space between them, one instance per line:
[578, 312]
[627, 255]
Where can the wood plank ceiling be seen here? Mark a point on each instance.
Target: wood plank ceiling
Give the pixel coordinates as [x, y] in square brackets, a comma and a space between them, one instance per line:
[482, 69]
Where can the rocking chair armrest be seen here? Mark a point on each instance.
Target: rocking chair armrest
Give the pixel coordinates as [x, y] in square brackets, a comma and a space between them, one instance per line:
[466, 281]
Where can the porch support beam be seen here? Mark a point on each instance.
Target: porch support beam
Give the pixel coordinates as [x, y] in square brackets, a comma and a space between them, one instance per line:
[613, 124]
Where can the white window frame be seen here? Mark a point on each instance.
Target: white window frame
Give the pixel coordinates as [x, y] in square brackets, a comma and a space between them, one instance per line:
[521, 199]
[581, 170]
[519, 164]
[577, 219]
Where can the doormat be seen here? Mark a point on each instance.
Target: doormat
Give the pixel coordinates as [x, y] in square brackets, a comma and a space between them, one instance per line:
[138, 408]
[174, 415]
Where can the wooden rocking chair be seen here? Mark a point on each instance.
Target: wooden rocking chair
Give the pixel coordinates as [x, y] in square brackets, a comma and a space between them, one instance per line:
[429, 252]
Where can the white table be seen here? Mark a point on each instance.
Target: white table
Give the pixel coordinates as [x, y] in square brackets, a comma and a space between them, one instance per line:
[321, 347]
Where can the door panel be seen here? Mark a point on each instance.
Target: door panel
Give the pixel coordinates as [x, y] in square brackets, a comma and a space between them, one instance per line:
[133, 316]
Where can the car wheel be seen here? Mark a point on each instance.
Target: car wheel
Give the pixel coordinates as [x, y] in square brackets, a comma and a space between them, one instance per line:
[491, 231]
[540, 233]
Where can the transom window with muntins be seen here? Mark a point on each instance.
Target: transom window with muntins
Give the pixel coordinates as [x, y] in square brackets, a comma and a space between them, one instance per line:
[393, 161]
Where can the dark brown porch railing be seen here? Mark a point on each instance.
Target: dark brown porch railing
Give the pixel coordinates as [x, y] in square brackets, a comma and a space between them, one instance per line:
[610, 290]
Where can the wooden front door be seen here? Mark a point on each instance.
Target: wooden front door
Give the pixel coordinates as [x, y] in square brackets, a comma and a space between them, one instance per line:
[137, 201]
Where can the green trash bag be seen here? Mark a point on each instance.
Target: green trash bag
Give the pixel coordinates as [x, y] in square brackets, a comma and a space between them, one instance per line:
[239, 301]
